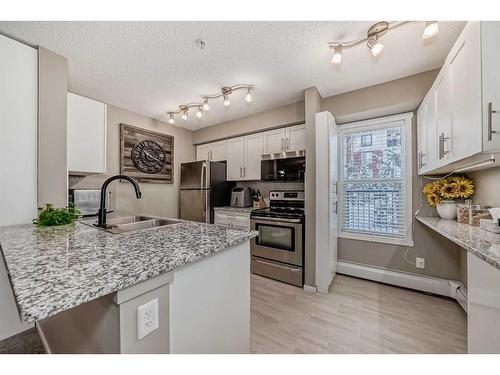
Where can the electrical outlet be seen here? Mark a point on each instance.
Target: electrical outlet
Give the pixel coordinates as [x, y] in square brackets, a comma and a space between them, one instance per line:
[147, 318]
[420, 262]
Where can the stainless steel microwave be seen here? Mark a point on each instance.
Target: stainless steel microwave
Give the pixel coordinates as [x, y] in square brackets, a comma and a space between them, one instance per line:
[283, 169]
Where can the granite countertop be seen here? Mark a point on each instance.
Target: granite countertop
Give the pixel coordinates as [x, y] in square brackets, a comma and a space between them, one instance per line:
[56, 268]
[236, 209]
[483, 244]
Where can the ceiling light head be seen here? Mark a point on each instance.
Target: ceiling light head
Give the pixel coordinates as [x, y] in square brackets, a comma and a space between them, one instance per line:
[206, 107]
[226, 100]
[199, 112]
[248, 96]
[171, 119]
[431, 29]
[184, 110]
[337, 54]
[378, 28]
[375, 46]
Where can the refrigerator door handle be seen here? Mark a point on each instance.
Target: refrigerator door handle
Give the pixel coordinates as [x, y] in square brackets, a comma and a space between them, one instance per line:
[203, 176]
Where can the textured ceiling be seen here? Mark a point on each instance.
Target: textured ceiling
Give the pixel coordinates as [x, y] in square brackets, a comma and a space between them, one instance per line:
[153, 67]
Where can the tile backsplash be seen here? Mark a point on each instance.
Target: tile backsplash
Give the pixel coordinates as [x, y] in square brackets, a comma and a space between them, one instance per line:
[266, 187]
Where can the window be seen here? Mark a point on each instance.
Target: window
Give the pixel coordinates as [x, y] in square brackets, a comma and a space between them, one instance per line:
[375, 180]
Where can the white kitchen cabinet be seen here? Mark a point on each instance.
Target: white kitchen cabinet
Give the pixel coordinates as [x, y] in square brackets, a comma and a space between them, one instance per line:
[274, 141]
[243, 157]
[232, 219]
[295, 137]
[215, 151]
[483, 310]
[285, 139]
[457, 123]
[86, 135]
[253, 157]
[235, 158]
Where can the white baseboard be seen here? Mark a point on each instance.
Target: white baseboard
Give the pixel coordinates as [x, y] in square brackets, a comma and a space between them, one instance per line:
[428, 284]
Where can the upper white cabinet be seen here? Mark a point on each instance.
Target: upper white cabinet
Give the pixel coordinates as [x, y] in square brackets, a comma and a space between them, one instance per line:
[285, 139]
[215, 151]
[456, 121]
[243, 157]
[86, 135]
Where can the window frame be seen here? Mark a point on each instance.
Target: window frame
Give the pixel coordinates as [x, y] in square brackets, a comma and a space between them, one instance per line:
[371, 124]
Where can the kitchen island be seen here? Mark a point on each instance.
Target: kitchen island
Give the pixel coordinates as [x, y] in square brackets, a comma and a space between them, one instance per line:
[83, 286]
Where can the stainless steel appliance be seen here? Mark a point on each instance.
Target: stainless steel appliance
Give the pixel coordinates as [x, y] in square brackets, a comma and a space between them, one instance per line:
[278, 251]
[241, 197]
[203, 187]
[286, 166]
[87, 201]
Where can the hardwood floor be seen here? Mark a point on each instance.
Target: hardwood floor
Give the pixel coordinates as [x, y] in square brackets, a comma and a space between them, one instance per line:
[357, 316]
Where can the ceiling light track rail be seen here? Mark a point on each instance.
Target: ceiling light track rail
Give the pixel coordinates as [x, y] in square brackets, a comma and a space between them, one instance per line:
[204, 106]
[373, 35]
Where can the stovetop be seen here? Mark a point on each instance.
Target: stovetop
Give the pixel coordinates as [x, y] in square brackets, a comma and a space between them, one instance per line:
[280, 212]
[287, 204]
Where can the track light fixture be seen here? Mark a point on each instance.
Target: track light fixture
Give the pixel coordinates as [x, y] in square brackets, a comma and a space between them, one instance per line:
[204, 106]
[431, 29]
[373, 35]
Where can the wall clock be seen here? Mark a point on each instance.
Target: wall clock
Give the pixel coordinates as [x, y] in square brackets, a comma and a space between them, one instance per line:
[146, 155]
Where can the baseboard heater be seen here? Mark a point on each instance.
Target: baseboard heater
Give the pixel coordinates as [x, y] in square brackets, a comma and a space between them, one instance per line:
[448, 288]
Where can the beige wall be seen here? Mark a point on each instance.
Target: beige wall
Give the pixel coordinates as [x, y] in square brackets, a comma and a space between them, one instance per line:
[157, 198]
[276, 117]
[52, 105]
[487, 186]
[398, 96]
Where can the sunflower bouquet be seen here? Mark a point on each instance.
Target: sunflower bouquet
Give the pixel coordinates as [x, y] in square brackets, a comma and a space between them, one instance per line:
[448, 189]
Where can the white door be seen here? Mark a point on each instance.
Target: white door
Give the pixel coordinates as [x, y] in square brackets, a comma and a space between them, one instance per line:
[491, 83]
[235, 158]
[443, 116]
[465, 83]
[218, 151]
[18, 145]
[326, 191]
[86, 135]
[274, 141]
[295, 137]
[202, 152]
[253, 156]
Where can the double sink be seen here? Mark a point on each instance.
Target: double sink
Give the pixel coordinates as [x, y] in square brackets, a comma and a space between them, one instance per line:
[132, 223]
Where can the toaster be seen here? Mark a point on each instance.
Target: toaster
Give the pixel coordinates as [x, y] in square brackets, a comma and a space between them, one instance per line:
[241, 197]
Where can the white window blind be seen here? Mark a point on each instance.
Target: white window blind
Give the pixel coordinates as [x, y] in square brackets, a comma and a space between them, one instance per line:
[373, 180]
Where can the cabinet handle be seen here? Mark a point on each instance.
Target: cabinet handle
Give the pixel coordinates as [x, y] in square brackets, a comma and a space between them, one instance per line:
[287, 143]
[241, 171]
[282, 144]
[490, 120]
[244, 171]
[442, 139]
[421, 159]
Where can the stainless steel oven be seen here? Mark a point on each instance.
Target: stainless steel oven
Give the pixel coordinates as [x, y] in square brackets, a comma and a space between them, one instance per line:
[278, 251]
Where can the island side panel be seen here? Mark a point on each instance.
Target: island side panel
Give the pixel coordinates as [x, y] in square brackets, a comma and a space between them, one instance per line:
[210, 304]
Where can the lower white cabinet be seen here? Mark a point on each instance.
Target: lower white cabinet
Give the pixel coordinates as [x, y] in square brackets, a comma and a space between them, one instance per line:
[232, 219]
[86, 135]
[483, 306]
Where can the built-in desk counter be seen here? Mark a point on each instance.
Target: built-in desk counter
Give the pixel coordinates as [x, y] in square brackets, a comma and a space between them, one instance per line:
[483, 280]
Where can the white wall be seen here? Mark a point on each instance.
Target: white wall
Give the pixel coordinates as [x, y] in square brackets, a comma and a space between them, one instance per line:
[18, 148]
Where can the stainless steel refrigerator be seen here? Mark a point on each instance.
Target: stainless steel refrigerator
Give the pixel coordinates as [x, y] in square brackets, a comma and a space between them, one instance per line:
[203, 187]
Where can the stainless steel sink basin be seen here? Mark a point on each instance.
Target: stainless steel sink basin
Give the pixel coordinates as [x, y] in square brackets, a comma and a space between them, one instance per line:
[133, 223]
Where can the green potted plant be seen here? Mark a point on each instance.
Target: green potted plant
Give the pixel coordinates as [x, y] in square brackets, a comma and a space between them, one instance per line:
[445, 192]
[50, 216]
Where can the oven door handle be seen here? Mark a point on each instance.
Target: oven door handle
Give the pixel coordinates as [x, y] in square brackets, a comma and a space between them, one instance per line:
[275, 219]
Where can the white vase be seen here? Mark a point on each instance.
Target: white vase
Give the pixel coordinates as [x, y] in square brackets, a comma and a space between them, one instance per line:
[447, 210]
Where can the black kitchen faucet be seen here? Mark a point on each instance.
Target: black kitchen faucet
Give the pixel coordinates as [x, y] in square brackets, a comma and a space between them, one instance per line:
[101, 214]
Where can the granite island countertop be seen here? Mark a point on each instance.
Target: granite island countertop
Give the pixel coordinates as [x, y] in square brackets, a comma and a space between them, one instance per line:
[52, 269]
[483, 244]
